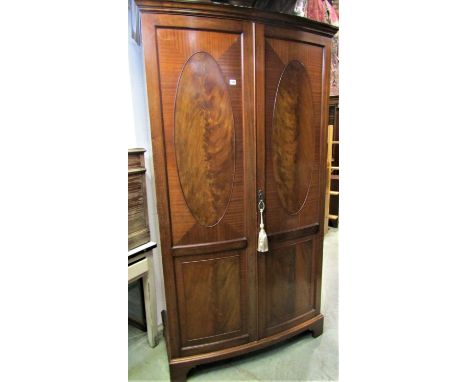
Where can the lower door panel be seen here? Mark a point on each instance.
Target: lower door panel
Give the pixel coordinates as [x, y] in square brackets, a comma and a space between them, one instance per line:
[288, 280]
[211, 301]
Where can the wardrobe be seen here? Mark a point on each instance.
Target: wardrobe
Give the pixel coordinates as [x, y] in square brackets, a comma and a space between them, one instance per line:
[238, 106]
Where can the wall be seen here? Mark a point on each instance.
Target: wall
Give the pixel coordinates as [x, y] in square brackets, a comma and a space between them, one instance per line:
[139, 136]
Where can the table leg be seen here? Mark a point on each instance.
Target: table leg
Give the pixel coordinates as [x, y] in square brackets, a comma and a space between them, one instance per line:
[150, 304]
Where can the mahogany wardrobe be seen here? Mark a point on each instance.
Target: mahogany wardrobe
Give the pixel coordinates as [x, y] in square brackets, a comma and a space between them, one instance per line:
[238, 104]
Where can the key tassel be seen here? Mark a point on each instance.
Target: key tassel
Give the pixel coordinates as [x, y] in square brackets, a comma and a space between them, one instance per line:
[262, 236]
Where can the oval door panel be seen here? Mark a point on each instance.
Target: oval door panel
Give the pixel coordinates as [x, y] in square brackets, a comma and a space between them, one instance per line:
[204, 139]
[292, 137]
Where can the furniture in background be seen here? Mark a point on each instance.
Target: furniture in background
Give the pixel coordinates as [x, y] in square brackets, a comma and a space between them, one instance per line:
[329, 173]
[140, 254]
[136, 305]
[140, 266]
[238, 103]
[138, 224]
[334, 119]
[292, 7]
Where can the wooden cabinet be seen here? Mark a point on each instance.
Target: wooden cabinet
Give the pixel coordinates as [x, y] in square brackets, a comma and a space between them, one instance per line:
[138, 225]
[334, 119]
[238, 102]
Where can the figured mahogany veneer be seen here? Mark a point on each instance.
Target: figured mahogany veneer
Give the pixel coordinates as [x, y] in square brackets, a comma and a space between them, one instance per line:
[211, 294]
[238, 102]
[204, 138]
[290, 274]
[291, 136]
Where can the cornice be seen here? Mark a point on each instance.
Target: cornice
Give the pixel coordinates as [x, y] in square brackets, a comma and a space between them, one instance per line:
[227, 11]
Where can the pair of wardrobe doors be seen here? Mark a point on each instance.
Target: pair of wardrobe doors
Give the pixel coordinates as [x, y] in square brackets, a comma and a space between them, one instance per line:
[236, 107]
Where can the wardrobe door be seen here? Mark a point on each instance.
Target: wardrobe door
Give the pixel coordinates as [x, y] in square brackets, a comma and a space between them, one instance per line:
[291, 156]
[201, 107]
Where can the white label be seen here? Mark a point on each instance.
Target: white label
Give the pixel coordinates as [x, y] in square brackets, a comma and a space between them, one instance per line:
[232, 82]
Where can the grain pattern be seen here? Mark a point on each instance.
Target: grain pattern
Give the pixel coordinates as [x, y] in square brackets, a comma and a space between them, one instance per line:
[291, 136]
[215, 75]
[210, 293]
[290, 272]
[176, 46]
[204, 138]
[279, 53]
[178, 52]
[294, 87]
